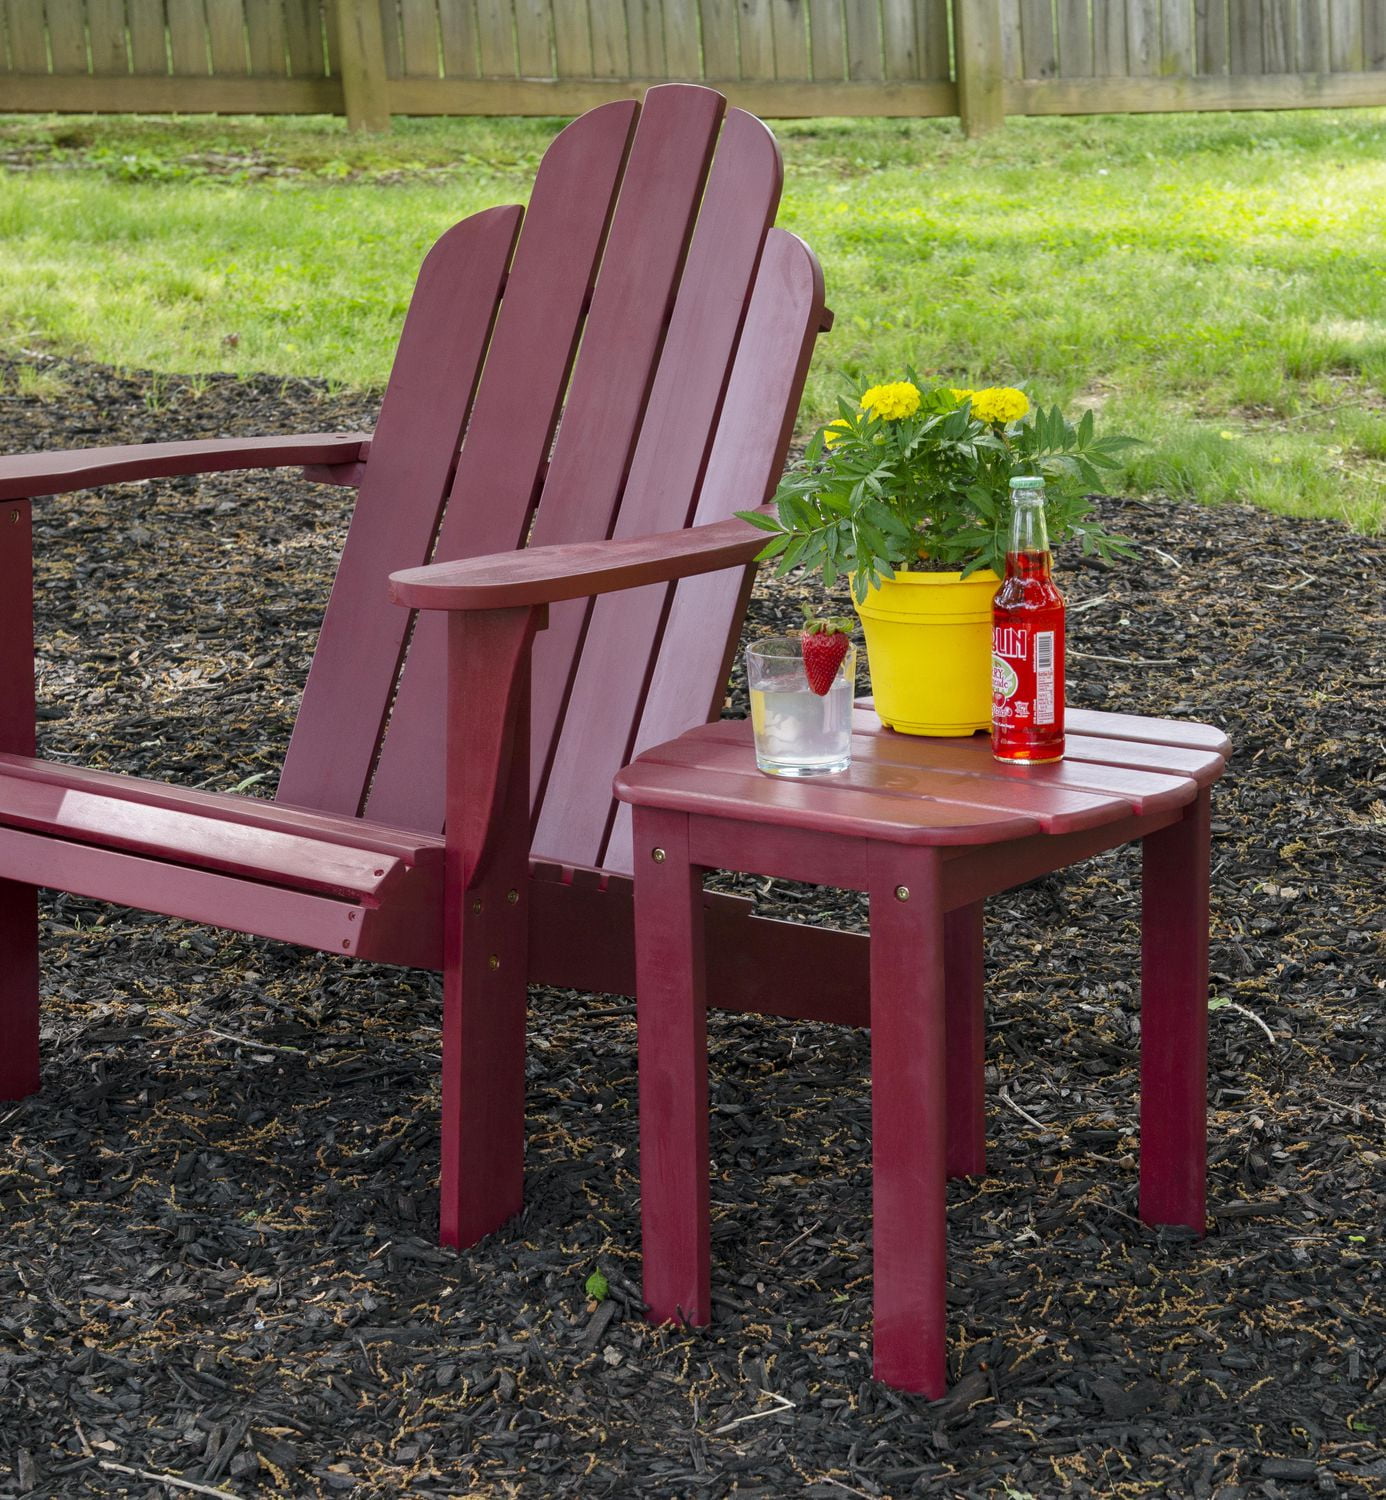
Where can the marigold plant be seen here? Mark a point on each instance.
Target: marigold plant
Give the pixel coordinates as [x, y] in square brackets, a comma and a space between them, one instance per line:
[908, 477]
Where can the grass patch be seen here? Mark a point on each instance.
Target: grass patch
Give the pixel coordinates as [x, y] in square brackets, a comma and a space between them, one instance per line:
[1213, 283]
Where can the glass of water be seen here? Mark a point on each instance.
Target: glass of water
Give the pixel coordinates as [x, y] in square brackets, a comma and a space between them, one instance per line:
[798, 732]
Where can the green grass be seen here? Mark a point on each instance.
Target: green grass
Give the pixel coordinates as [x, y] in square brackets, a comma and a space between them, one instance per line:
[1214, 284]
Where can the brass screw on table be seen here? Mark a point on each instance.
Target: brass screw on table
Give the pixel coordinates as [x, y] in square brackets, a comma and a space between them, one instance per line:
[512, 897]
[493, 962]
[477, 907]
[902, 893]
[659, 856]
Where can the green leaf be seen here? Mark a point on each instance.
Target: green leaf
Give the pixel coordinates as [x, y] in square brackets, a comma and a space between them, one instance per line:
[597, 1287]
[766, 523]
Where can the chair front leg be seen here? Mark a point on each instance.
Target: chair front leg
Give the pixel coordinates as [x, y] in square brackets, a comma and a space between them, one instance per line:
[486, 937]
[1174, 1020]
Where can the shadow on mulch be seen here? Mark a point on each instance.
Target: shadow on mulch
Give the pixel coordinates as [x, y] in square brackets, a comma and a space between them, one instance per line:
[217, 1260]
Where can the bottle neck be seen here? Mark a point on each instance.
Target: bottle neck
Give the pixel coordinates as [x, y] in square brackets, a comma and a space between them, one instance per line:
[1028, 552]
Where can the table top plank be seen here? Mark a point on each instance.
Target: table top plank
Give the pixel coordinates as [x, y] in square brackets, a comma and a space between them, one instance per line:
[1201, 766]
[1183, 732]
[819, 804]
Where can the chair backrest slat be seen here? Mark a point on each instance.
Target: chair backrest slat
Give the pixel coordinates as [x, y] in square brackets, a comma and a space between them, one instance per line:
[772, 359]
[662, 489]
[337, 731]
[511, 432]
[631, 307]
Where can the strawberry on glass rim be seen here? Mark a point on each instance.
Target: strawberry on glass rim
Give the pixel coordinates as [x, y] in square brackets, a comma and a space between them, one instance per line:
[824, 643]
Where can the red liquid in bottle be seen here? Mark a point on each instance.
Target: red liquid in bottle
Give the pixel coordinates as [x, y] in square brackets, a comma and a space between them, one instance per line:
[1027, 680]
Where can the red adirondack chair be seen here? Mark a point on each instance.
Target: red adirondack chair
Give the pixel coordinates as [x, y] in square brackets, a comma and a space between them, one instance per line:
[643, 299]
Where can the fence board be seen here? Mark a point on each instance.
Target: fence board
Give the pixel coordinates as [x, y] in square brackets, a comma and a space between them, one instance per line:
[1109, 40]
[1142, 38]
[682, 53]
[610, 49]
[899, 46]
[303, 30]
[1345, 36]
[1039, 49]
[1311, 36]
[1278, 35]
[1012, 40]
[931, 26]
[28, 50]
[187, 38]
[264, 24]
[719, 38]
[226, 37]
[757, 39]
[67, 35]
[457, 32]
[789, 30]
[106, 32]
[1074, 39]
[534, 38]
[572, 41]
[1210, 36]
[863, 21]
[148, 40]
[645, 32]
[1177, 50]
[827, 41]
[1374, 34]
[419, 47]
[1244, 37]
[495, 29]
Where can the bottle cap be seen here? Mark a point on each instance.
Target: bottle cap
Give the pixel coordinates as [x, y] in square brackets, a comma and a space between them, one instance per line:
[1027, 482]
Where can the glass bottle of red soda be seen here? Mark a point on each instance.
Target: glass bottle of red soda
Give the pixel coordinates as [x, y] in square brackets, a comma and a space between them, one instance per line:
[1027, 661]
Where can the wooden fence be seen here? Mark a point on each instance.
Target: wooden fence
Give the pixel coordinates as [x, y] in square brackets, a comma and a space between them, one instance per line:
[981, 59]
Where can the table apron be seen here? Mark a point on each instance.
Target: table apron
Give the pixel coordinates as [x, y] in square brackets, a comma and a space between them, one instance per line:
[970, 872]
[988, 869]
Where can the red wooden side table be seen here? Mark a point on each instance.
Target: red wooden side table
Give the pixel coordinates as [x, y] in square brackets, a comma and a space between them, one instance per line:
[928, 828]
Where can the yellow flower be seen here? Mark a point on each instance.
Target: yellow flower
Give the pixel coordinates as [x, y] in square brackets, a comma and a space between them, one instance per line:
[999, 404]
[834, 431]
[959, 394]
[891, 402]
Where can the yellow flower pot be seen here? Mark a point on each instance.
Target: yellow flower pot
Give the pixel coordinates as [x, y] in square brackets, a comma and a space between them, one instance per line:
[928, 642]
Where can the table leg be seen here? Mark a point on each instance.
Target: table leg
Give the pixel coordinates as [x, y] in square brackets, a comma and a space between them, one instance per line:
[966, 1028]
[671, 1012]
[19, 990]
[1174, 1020]
[908, 1117]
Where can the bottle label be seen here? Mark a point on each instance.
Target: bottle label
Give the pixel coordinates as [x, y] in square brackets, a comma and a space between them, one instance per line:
[1023, 676]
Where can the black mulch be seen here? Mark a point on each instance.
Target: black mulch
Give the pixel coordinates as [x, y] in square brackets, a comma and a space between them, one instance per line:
[217, 1259]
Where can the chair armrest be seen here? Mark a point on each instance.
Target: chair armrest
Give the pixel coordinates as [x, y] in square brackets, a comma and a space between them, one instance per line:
[576, 570]
[25, 476]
